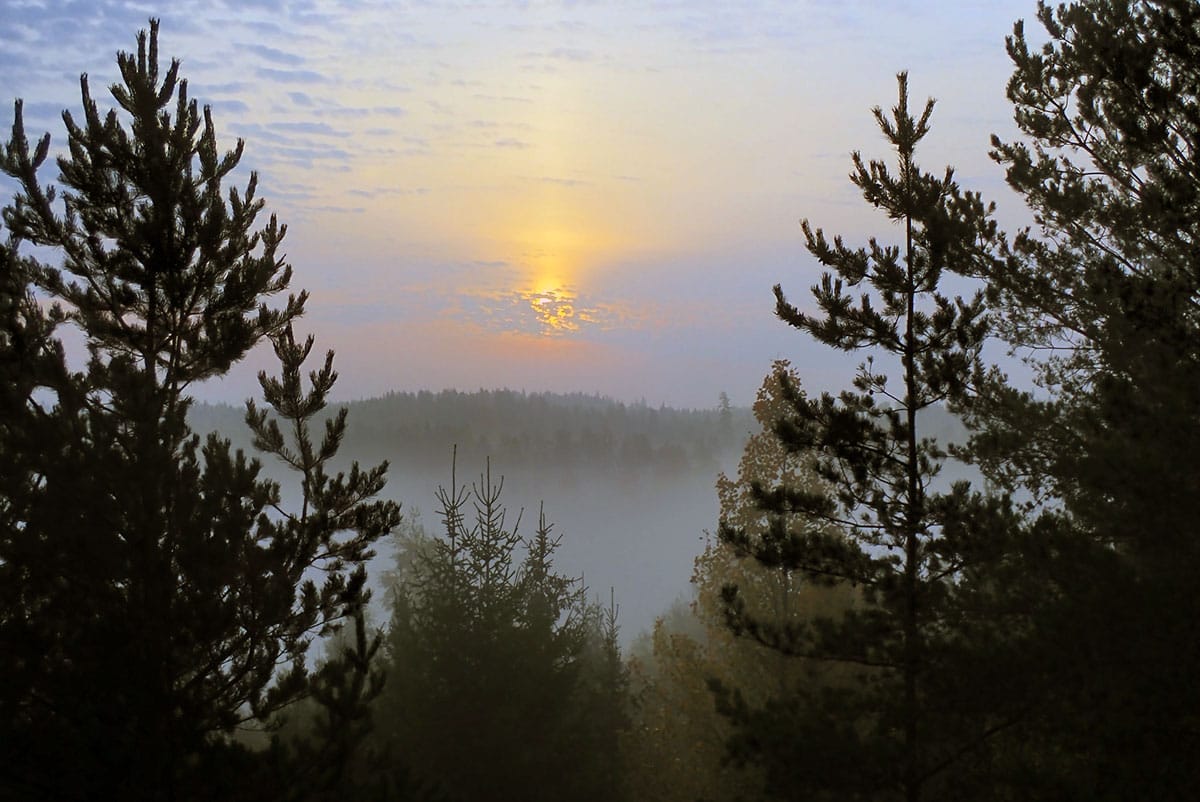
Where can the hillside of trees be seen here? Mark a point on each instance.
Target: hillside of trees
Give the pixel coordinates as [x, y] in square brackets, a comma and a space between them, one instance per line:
[931, 584]
[542, 433]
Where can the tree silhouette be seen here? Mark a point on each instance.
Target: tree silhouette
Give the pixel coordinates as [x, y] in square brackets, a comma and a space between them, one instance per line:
[502, 677]
[157, 594]
[873, 521]
[1102, 294]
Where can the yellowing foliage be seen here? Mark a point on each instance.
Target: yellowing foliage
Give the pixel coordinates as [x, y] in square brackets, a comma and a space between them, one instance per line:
[676, 748]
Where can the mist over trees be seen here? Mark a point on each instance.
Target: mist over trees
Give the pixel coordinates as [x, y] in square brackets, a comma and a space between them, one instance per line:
[180, 620]
[583, 455]
[545, 433]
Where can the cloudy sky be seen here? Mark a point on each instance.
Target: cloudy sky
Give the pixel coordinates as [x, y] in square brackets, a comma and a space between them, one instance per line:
[592, 196]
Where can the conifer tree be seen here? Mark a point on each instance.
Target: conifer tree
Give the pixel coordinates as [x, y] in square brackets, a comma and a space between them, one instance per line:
[1102, 296]
[156, 593]
[873, 522]
[500, 672]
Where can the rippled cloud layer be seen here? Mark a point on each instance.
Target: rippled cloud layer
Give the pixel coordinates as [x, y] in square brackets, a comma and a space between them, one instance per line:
[617, 176]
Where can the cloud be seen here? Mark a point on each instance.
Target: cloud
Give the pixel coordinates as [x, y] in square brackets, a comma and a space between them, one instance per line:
[389, 111]
[562, 311]
[335, 110]
[503, 98]
[562, 182]
[380, 192]
[229, 105]
[656, 79]
[574, 54]
[293, 154]
[308, 155]
[274, 55]
[336, 209]
[301, 127]
[41, 111]
[229, 87]
[267, 28]
[292, 76]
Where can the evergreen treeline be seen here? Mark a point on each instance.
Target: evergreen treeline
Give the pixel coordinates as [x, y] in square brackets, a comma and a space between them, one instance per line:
[174, 625]
[542, 432]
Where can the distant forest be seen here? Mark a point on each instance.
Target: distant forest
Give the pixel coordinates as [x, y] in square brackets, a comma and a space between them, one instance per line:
[537, 433]
[522, 432]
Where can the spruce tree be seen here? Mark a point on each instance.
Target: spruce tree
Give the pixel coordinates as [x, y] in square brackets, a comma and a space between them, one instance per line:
[901, 723]
[501, 674]
[1102, 295]
[156, 593]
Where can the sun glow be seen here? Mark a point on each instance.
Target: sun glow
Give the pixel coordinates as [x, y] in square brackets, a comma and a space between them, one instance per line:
[552, 266]
[555, 310]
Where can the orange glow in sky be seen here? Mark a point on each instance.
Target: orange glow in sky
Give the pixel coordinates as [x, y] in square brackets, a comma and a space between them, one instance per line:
[609, 178]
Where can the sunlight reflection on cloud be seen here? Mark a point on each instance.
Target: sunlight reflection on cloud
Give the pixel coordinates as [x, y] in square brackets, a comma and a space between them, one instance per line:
[555, 310]
[545, 312]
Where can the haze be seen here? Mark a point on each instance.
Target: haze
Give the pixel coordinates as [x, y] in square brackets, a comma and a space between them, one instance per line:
[589, 197]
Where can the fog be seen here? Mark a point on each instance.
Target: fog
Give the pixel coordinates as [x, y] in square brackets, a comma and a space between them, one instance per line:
[629, 489]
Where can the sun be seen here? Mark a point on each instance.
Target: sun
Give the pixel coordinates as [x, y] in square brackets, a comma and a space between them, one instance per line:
[549, 294]
[547, 283]
[553, 308]
[552, 262]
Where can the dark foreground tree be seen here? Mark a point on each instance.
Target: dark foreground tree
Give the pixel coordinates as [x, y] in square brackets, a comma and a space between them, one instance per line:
[1104, 295]
[156, 595]
[906, 710]
[504, 682]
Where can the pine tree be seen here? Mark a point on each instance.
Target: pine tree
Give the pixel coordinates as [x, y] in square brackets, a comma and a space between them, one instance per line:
[1102, 295]
[154, 599]
[900, 728]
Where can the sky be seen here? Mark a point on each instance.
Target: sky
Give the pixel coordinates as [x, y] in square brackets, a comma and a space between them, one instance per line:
[565, 196]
